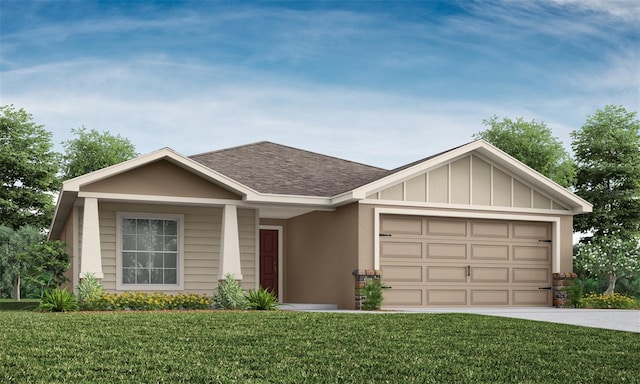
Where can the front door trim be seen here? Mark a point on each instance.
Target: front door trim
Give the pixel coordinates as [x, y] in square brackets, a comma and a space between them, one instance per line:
[278, 228]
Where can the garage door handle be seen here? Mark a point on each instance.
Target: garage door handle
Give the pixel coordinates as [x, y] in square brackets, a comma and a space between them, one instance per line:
[547, 288]
[384, 235]
[544, 241]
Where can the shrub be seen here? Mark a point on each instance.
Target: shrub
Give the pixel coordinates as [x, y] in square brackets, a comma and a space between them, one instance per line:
[575, 291]
[610, 301]
[230, 294]
[89, 289]
[372, 293]
[262, 300]
[58, 300]
[144, 301]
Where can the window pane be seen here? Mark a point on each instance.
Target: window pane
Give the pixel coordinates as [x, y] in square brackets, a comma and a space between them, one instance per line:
[156, 260]
[170, 260]
[170, 243]
[129, 226]
[171, 227]
[157, 243]
[156, 276]
[128, 276]
[144, 243]
[155, 227]
[129, 242]
[128, 259]
[143, 260]
[142, 226]
[170, 276]
[142, 276]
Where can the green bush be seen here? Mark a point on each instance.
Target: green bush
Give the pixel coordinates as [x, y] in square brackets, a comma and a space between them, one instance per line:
[372, 293]
[230, 294]
[610, 301]
[575, 291]
[262, 300]
[58, 300]
[89, 289]
[144, 301]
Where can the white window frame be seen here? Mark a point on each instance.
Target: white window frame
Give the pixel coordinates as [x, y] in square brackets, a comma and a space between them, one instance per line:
[149, 287]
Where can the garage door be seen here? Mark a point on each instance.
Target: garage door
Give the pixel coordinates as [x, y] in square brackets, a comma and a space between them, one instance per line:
[432, 261]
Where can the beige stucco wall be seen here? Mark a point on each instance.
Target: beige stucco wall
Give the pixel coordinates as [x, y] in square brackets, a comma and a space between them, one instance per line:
[322, 252]
[151, 179]
[201, 247]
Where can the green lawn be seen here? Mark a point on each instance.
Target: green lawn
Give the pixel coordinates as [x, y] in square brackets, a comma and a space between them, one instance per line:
[296, 347]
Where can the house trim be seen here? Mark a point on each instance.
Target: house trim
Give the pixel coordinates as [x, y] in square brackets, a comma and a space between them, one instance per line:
[555, 228]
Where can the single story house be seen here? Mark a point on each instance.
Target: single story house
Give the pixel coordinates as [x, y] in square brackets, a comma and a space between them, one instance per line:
[470, 226]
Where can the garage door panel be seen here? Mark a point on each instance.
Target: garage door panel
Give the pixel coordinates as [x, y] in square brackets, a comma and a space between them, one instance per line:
[453, 297]
[458, 262]
[533, 231]
[445, 274]
[402, 225]
[489, 275]
[446, 251]
[531, 275]
[393, 273]
[481, 229]
[489, 252]
[446, 228]
[404, 250]
[531, 297]
[399, 297]
[532, 252]
[489, 297]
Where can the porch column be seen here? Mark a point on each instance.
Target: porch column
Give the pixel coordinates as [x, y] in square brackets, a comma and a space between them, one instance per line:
[229, 244]
[91, 258]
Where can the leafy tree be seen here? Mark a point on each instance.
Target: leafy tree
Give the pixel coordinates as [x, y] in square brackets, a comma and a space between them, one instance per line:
[532, 143]
[92, 150]
[610, 256]
[607, 152]
[28, 260]
[28, 168]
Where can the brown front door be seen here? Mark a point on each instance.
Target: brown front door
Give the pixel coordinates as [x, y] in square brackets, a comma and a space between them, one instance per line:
[269, 259]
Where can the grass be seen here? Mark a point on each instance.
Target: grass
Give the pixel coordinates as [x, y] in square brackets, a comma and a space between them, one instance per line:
[18, 305]
[297, 347]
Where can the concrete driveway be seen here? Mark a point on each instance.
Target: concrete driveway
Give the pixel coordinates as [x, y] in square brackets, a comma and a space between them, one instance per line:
[617, 319]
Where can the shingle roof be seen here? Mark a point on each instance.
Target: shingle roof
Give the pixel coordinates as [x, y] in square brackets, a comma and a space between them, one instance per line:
[278, 169]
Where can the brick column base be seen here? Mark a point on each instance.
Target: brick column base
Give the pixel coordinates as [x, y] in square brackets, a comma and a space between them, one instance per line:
[361, 277]
[560, 281]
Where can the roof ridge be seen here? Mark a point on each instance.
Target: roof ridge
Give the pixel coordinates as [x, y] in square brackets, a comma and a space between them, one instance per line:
[230, 148]
[289, 147]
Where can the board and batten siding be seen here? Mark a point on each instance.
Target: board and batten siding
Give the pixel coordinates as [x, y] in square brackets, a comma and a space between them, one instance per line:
[201, 247]
[468, 181]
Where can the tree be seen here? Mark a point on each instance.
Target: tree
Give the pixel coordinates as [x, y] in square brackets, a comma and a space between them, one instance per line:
[607, 152]
[28, 169]
[610, 256]
[92, 150]
[532, 143]
[28, 260]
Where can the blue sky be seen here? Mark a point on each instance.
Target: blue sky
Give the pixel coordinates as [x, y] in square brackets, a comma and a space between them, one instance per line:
[383, 83]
